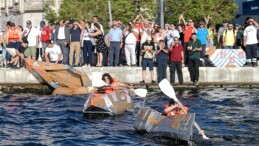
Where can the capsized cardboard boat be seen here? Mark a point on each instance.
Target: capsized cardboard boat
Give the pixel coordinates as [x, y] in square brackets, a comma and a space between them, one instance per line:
[63, 79]
[114, 103]
[178, 127]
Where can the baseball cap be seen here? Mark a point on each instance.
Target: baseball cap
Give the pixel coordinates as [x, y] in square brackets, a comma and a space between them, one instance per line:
[237, 25]
[28, 22]
[42, 23]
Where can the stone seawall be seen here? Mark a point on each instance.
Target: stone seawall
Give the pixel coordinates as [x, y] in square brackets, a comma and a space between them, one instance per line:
[231, 75]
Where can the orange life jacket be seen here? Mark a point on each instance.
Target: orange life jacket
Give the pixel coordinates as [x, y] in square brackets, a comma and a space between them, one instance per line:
[177, 111]
[113, 87]
[13, 35]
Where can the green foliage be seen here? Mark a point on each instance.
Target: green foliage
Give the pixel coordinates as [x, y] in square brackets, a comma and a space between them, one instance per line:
[124, 10]
[196, 10]
[50, 14]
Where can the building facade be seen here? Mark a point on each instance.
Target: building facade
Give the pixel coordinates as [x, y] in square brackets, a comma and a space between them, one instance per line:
[19, 11]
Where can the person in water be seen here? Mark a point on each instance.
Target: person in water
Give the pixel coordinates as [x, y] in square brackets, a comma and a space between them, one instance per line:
[113, 83]
[173, 108]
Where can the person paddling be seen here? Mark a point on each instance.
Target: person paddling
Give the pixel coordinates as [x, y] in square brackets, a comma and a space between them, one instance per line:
[172, 108]
[113, 83]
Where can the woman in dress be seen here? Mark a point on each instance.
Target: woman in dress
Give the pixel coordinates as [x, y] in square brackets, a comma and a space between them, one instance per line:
[100, 44]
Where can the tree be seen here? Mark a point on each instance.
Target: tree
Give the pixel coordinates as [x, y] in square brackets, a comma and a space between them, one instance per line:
[123, 10]
[197, 10]
[50, 14]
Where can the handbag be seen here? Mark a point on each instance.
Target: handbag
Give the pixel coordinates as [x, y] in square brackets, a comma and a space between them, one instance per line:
[25, 38]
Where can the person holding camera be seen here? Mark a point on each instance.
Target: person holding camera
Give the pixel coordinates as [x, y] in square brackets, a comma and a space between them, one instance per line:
[130, 36]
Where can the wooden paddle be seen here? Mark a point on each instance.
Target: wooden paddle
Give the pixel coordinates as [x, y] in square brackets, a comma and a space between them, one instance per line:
[100, 83]
[168, 90]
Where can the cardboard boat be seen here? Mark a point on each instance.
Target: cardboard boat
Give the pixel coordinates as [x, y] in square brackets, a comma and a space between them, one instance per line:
[63, 79]
[114, 103]
[179, 127]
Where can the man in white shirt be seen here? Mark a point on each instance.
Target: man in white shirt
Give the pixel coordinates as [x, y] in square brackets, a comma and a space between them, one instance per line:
[130, 35]
[250, 42]
[32, 35]
[96, 20]
[53, 53]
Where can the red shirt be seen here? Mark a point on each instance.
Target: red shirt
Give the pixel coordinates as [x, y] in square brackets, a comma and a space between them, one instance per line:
[45, 34]
[175, 54]
[187, 33]
[138, 27]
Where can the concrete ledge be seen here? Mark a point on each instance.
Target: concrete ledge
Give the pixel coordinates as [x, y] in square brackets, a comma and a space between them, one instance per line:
[209, 75]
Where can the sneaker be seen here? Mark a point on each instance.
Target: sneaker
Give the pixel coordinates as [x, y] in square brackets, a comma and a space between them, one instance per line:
[153, 82]
[142, 82]
[254, 64]
[195, 83]
[248, 64]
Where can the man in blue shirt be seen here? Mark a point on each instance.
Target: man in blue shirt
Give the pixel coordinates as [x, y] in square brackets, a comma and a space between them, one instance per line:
[114, 43]
[203, 36]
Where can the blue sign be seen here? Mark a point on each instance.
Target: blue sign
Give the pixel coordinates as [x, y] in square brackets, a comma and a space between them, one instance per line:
[251, 8]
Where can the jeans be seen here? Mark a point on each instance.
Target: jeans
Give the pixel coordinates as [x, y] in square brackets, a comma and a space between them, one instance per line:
[194, 69]
[178, 67]
[186, 53]
[203, 50]
[88, 47]
[251, 52]
[114, 53]
[64, 50]
[161, 70]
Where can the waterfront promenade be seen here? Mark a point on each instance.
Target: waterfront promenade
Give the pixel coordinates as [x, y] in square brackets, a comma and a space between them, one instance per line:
[208, 75]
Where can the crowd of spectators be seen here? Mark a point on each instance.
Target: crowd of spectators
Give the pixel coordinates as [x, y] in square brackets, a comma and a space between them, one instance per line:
[139, 43]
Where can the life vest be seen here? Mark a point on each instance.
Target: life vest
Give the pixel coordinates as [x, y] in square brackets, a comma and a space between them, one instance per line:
[13, 35]
[113, 87]
[177, 111]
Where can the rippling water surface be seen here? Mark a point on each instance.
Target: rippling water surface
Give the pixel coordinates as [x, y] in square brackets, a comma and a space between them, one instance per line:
[229, 116]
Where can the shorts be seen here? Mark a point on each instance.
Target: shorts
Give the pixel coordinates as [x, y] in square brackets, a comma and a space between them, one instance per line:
[30, 51]
[11, 51]
[147, 62]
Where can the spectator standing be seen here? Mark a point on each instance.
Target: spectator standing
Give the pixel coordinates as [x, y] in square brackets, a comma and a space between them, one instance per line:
[53, 53]
[194, 47]
[171, 35]
[75, 39]
[229, 37]
[62, 38]
[114, 43]
[162, 59]
[188, 30]
[32, 35]
[251, 41]
[203, 36]
[46, 35]
[138, 26]
[96, 20]
[148, 49]
[220, 33]
[100, 44]
[239, 36]
[87, 44]
[130, 44]
[211, 31]
[176, 61]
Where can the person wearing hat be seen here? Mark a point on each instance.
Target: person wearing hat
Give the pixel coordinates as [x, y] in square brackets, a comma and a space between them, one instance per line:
[220, 33]
[203, 36]
[162, 59]
[31, 34]
[147, 51]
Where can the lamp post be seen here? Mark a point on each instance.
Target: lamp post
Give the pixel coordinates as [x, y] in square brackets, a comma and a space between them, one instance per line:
[110, 11]
[162, 13]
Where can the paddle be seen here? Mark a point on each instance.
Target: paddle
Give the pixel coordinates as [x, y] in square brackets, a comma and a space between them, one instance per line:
[100, 83]
[168, 90]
